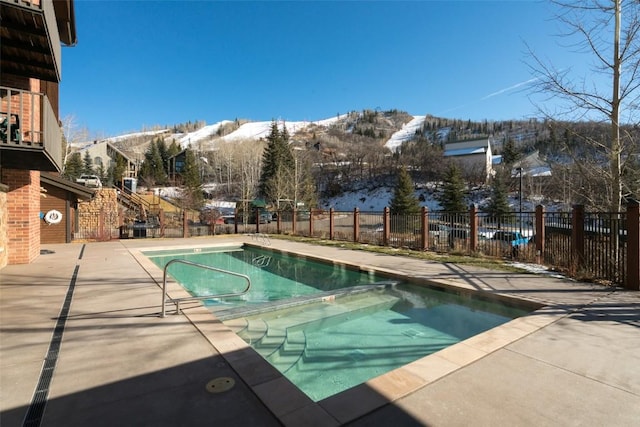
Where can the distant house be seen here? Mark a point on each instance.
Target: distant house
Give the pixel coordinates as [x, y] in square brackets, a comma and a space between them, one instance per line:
[472, 156]
[176, 166]
[532, 165]
[534, 171]
[106, 154]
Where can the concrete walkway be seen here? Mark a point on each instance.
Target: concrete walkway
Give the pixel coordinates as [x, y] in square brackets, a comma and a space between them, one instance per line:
[89, 314]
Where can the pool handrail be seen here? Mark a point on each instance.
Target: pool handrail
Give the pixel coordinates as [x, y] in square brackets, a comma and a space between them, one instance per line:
[206, 267]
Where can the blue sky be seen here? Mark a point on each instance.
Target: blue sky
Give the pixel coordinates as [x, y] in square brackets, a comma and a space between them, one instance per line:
[145, 63]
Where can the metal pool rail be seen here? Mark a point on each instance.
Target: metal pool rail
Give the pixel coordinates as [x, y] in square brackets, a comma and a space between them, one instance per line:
[206, 267]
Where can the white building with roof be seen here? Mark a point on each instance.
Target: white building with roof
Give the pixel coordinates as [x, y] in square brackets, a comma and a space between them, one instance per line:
[472, 156]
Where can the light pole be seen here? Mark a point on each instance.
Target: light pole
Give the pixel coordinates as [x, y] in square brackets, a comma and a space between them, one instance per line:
[520, 197]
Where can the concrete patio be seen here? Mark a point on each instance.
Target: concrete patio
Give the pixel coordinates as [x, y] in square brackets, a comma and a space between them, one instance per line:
[89, 314]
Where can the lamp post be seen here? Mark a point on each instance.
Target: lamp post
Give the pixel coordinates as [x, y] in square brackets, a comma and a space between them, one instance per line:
[520, 197]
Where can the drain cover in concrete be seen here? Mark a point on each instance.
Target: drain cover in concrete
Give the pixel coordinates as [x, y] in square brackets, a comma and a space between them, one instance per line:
[218, 385]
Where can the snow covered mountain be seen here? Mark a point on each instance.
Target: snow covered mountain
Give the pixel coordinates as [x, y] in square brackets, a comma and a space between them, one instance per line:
[397, 130]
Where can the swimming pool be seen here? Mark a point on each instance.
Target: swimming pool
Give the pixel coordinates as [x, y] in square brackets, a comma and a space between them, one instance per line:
[327, 327]
[274, 277]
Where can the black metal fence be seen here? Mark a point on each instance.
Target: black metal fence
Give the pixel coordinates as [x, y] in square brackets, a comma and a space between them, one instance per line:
[588, 245]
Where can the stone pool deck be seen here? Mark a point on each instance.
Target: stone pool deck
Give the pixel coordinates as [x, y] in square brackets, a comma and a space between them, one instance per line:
[111, 360]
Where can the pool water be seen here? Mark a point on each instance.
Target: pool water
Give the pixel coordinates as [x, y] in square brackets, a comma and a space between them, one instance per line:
[328, 328]
[274, 276]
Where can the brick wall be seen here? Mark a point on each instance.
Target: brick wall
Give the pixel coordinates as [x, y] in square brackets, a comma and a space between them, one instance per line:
[4, 238]
[23, 209]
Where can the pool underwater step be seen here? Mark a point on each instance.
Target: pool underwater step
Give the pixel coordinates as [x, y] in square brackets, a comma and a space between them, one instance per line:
[227, 312]
[290, 352]
[254, 331]
[279, 336]
[280, 347]
[237, 325]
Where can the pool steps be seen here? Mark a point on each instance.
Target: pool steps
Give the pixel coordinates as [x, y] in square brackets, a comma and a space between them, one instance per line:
[279, 336]
[227, 312]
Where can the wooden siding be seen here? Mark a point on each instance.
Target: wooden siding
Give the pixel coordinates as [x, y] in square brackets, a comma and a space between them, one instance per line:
[56, 198]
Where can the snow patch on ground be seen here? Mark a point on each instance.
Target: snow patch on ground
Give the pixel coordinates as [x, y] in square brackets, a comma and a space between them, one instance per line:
[537, 269]
[373, 200]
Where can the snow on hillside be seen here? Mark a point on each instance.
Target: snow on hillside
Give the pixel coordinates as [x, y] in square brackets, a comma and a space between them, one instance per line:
[373, 200]
[257, 130]
[252, 130]
[86, 144]
[202, 133]
[136, 134]
[405, 134]
[261, 129]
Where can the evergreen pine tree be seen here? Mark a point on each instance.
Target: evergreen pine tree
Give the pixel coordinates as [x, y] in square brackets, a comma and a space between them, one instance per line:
[192, 190]
[510, 153]
[87, 164]
[452, 197]
[152, 170]
[117, 170]
[164, 154]
[173, 149]
[101, 172]
[74, 166]
[498, 206]
[277, 162]
[404, 200]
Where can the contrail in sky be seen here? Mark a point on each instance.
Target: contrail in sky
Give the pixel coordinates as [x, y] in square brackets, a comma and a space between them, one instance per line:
[491, 95]
[515, 86]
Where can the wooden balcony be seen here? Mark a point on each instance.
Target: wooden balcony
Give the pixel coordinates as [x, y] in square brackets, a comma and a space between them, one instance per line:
[30, 40]
[30, 136]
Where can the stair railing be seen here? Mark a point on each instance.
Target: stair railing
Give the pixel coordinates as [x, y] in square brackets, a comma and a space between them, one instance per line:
[206, 267]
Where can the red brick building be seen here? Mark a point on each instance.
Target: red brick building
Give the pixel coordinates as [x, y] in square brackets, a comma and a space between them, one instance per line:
[31, 35]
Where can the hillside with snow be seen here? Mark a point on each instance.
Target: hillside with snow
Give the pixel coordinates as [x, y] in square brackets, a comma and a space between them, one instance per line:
[407, 133]
[250, 130]
[255, 130]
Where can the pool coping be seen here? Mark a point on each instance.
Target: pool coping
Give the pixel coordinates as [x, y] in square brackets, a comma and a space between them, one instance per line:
[290, 405]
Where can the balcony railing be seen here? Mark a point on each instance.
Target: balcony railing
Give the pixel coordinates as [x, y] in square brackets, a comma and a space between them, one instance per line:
[28, 123]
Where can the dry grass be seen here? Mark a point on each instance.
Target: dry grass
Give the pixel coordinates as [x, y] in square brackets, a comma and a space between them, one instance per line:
[454, 258]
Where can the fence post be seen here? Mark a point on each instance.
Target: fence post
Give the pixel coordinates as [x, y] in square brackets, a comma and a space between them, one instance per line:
[356, 225]
[633, 246]
[235, 221]
[473, 224]
[257, 218]
[185, 224]
[294, 221]
[577, 237]
[424, 227]
[331, 225]
[161, 220]
[386, 226]
[310, 222]
[540, 236]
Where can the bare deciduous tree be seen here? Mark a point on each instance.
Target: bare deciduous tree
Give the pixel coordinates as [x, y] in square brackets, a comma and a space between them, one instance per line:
[608, 93]
[72, 134]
